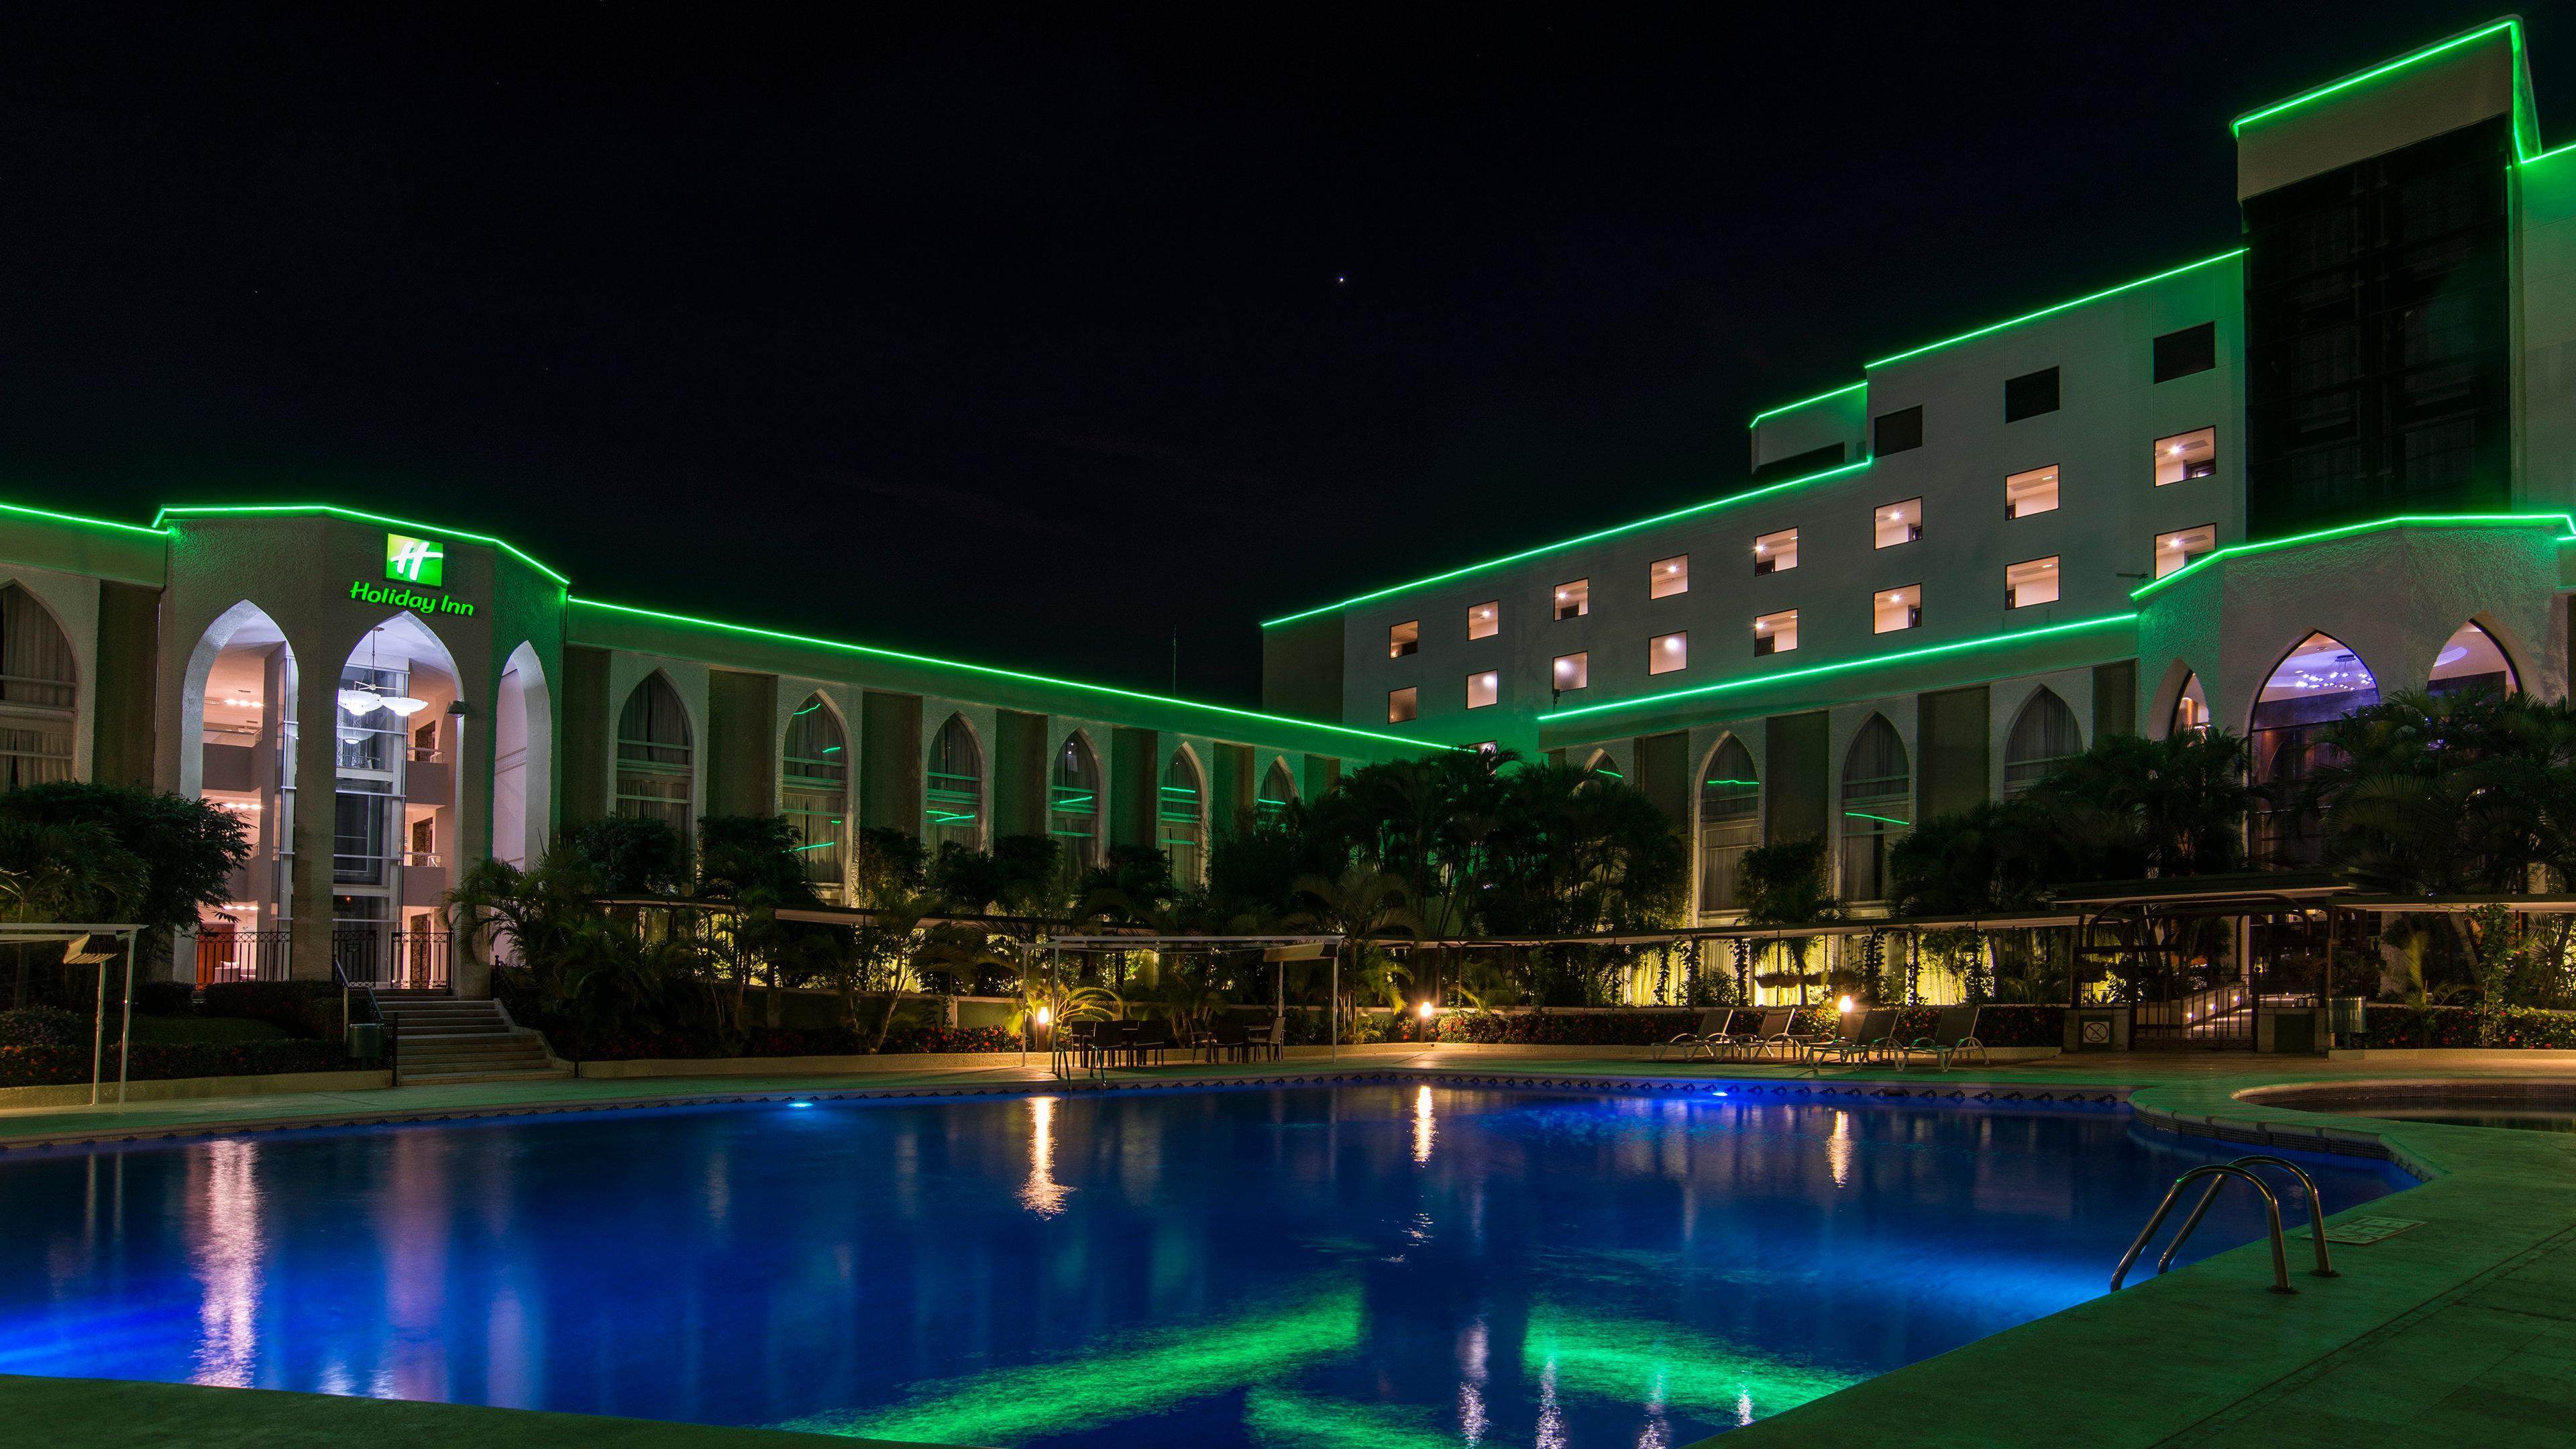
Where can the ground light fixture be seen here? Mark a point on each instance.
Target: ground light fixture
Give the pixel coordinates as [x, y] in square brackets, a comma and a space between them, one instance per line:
[1426, 1011]
[1844, 1006]
[1045, 1016]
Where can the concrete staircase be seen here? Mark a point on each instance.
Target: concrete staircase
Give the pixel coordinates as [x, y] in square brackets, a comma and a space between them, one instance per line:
[441, 1038]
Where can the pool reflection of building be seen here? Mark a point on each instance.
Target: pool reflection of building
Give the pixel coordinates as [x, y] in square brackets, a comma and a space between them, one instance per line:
[388, 703]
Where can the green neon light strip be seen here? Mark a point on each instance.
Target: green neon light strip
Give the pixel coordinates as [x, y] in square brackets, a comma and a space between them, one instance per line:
[1865, 815]
[1613, 774]
[378, 519]
[990, 671]
[817, 845]
[106, 523]
[1990, 641]
[2060, 307]
[2237, 126]
[1806, 402]
[1754, 783]
[1494, 563]
[2403, 520]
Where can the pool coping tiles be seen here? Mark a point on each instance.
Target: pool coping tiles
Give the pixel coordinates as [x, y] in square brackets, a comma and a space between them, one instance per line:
[2201, 1356]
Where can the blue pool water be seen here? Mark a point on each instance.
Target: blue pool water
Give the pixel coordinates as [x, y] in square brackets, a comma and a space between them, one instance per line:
[1379, 1264]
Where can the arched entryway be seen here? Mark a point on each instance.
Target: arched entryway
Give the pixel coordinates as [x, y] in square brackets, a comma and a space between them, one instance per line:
[2318, 682]
[396, 812]
[2472, 661]
[523, 736]
[237, 733]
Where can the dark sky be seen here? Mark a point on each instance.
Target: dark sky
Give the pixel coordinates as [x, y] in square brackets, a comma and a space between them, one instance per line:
[1031, 338]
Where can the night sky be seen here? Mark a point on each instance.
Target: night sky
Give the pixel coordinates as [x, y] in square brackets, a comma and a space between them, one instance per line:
[1029, 339]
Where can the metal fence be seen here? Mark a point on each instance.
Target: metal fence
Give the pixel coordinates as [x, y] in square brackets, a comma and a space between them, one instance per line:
[224, 957]
[385, 956]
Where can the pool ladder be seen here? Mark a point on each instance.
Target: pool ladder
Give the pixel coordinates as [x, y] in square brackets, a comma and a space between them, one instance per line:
[2218, 1174]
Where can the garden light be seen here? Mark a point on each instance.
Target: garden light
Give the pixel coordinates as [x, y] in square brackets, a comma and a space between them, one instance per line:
[1845, 1007]
[1426, 1011]
[1045, 1016]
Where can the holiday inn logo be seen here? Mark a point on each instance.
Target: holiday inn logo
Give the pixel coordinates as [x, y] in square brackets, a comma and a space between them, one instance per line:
[411, 560]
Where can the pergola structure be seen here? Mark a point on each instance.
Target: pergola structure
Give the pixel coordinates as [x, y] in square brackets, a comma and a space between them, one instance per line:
[90, 944]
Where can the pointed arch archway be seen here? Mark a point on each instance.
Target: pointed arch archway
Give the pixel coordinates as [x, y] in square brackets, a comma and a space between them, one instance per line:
[2473, 660]
[523, 751]
[39, 692]
[396, 816]
[2043, 737]
[1877, 807]
[814, 791]
[237, 738]
[656, 755]
[1730, 821]
[1180, 815]
[2317, 681]
[955, 792]
[1278, 791]
[1073, 802]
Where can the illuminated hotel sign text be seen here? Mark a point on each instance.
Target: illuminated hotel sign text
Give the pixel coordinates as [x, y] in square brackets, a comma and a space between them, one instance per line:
[411, 560]
[367, 593]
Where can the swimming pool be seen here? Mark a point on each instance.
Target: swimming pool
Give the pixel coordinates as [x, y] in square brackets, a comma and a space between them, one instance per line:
[1383, 1264]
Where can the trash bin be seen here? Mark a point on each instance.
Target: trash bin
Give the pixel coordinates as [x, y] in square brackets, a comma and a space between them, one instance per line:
[2346, 1017]
[366, 1040]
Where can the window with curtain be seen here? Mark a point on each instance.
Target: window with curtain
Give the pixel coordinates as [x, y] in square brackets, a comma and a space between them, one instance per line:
[1278, 790]
[1181, 817]
[1073, 803]
[955, 795]
[653, 755]
[1730, 822]
[1877, 799]
[814, 791]
[2044, 737]
[39, 688]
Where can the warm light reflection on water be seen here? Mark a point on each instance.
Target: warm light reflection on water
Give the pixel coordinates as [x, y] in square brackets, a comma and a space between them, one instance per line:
[228, 1253]
[1424, 1127]
[1042, 1194]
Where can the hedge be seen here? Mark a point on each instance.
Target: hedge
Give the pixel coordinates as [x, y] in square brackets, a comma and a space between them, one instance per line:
[2457, 1026]
[53, 1066]
[1997, 1026]
[301, 1008]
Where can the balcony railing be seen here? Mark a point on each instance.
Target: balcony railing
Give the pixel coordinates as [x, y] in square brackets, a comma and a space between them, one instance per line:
[386, 956]
[226, 957]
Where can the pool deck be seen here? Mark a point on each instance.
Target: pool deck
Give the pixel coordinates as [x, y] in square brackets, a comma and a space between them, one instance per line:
[2461, 1331]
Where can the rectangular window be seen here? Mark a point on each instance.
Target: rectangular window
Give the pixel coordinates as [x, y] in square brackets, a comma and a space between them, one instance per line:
[1572, 671]
[2031, 492]
[1900, 609]
[2186, 455]
[1775, 633]
[1773, 552]
[2176, 550]
[1574, 600]
[2030, 583]
[1483, 689]
[1667, 652]
[1897, 432]
[1485, 620]
[1666, 577]
[1400, 706]
[2193, 349]
[2030, 394]
[1403, 639]
[1900, 523]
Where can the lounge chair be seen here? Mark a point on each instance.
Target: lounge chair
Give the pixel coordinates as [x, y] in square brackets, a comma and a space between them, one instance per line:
[1861, 1037]
[1769, 1033]
[1712, 1030]
[1953, 1033]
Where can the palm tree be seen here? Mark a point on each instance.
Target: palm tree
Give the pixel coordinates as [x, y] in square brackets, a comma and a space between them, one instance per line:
[1361, 905]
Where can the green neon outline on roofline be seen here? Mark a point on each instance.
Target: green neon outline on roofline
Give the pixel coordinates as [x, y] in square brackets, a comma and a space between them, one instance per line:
[1805, 401]
[2401, 520]
[1865, 815]
[1725, 686]
[382, 520]
[2053, 311]
[2511, 27]
[1495, 563]
[86, 522]
[999, 673]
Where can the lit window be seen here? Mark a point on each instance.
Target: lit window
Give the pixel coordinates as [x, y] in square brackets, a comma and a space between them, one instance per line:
[1399, 705]
[1574, 600]
[1485, 620]
[2176, 550]
[1775, 633]
[1403, 639]
[2187, 455]
[1900, 609]
[1900, 523]
[1773, 552]
[1667, 652]
[1573, 671]
[2030, 583]
[1483, 689]
[2031, 492]
[1666, 577]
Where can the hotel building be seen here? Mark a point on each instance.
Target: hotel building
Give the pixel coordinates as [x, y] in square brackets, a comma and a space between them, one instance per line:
[2324, 458]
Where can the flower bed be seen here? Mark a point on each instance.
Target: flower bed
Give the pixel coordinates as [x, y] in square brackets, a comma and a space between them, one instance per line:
[2524, 1027]
[54, 1066]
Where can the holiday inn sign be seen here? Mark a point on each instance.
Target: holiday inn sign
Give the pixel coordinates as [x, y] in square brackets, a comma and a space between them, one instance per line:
[410, 560]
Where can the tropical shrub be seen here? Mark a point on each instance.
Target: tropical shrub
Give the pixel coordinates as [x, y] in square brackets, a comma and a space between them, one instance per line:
[44, 1066]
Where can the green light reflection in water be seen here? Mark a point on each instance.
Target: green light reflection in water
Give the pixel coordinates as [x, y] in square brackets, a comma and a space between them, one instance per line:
[1638, 1360]
[1283, 1420]
[1123, 1378]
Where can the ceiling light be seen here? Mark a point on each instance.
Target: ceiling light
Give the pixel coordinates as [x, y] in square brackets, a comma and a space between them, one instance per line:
[405, 705]
[361, 701]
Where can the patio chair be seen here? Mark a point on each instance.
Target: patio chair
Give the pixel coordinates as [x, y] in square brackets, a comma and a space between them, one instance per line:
[1266, 1042]
[1152, 1038]
[1953, 1033]
[1077, 1039]
[1861, 1037]
[1228, 1037]
[1712, 1029]
[1770, 1033]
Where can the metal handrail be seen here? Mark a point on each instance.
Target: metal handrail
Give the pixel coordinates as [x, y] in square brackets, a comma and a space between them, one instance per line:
[2271, 1212]
[2316, 1213]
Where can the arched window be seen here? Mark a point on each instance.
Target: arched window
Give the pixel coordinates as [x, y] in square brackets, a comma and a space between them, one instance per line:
[814, 791]
[1181, 813]
[2044, 737]
[2191, 709]
[2472, 660]
[956, 793]
[1730, 822]
[1073, 803]
[1278, 791]
[653, 755]
[1878, 801]
[39, 687]
[2316, 683]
